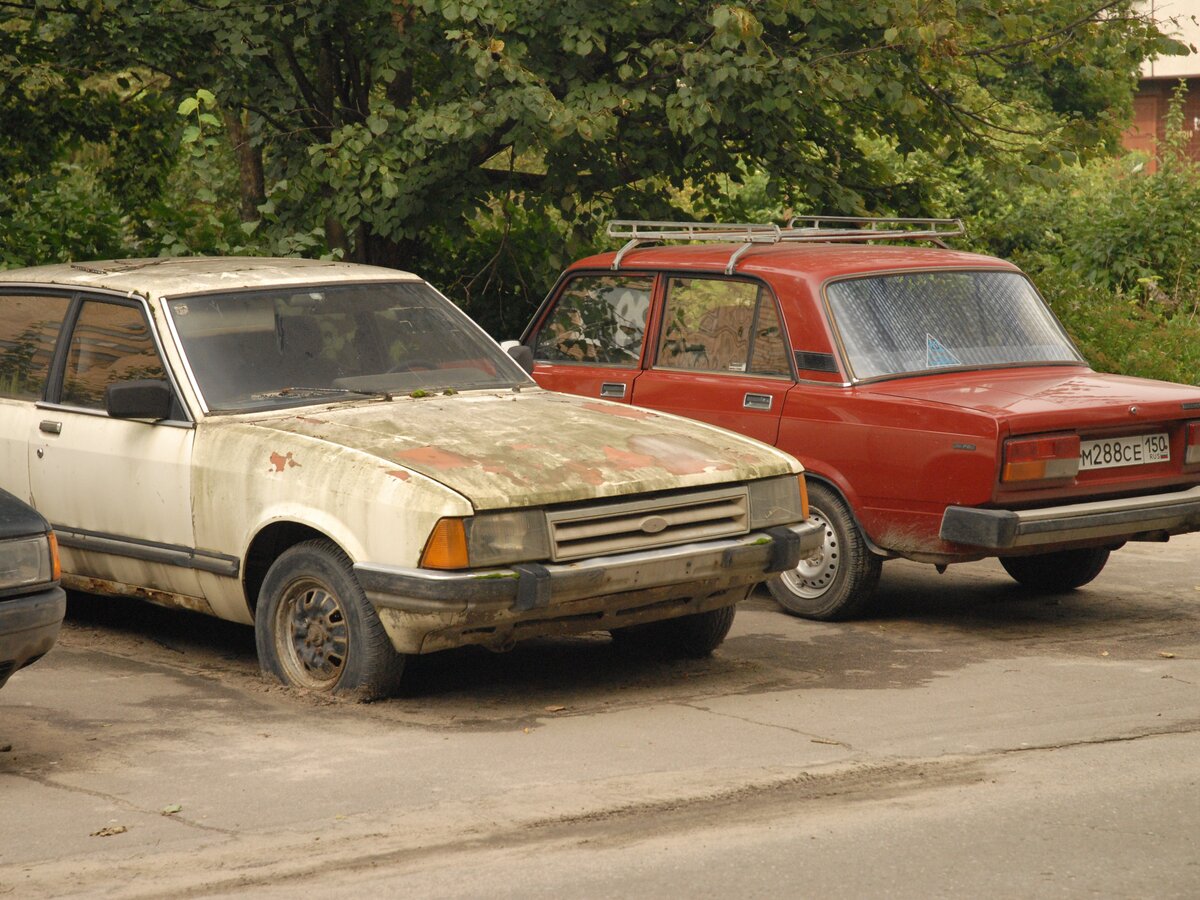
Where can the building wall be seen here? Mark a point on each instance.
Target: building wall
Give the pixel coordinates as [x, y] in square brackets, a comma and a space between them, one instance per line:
[1161, 75]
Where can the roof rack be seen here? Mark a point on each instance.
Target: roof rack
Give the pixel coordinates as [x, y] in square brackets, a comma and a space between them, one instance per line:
[800, 229]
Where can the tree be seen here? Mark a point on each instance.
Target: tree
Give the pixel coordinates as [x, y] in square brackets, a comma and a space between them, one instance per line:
[384, 129]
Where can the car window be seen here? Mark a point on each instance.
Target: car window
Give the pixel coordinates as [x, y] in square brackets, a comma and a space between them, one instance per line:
[110, 343]
[284, 347]
[912, 322]
[29, 326]
[598, 319]
[716, 325]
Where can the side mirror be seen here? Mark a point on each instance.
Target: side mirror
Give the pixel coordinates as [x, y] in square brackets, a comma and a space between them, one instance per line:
[522, 354]
[146, 398]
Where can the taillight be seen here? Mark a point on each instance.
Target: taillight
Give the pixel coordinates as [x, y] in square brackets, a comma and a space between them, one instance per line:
[1192, 453]
[1041, 458]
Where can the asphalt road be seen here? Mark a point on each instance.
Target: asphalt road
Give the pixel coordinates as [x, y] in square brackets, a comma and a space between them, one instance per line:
[968, 738]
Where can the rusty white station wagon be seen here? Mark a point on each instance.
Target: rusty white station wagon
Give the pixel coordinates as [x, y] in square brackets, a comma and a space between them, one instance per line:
[338, 455]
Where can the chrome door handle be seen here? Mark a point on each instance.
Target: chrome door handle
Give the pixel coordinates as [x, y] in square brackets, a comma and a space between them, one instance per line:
[50, 427]
[757, 401]
[614, 389]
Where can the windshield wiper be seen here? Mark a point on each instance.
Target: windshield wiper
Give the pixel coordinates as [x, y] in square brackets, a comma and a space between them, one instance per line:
[321, 392]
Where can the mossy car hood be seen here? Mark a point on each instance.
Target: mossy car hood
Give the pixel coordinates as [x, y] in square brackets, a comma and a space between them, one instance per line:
[503, 449]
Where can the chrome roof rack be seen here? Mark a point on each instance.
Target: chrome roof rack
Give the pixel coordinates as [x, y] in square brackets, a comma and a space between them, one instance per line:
[801, 229]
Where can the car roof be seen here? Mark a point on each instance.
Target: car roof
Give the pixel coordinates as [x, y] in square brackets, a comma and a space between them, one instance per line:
[169, 276]
[819, 261]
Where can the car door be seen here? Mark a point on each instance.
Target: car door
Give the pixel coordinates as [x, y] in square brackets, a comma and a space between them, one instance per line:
[591, 340]
[30, 321]
[721, 356]
[117, 491]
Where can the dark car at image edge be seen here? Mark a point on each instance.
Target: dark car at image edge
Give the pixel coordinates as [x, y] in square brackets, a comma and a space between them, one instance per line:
[32, 604]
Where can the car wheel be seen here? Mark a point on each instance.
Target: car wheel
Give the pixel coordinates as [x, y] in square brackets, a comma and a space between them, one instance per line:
[837, 581]
[1061, 571]
[692, 637]
[315, 629]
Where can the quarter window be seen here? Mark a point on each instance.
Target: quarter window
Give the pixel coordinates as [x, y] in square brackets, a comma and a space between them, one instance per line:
[29, 326]
[721, 326]
[110, 343]
[598, 319]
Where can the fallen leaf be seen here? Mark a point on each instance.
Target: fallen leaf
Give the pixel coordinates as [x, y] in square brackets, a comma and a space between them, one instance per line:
[171, 810]
[1104, 653]
[1166, 654]
[823, 741]
[110, 830]
[555, 708]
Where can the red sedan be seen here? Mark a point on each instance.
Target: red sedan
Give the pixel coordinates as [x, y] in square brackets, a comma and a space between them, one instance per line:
[940, 410]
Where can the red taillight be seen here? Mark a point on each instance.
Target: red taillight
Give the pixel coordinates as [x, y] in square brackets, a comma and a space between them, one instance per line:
[1041, 459]
[1192, 453]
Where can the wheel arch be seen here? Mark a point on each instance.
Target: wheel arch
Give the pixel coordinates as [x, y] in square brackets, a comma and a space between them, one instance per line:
[271, 541]
[843, 493]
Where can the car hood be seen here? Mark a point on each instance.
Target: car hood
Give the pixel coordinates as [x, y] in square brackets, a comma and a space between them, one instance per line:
[1051, 397]
[503, 449]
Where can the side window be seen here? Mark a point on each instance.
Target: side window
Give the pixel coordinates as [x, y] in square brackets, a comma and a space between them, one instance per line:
[598, 319]
[29, 327]
[110, 343]
[711, 325]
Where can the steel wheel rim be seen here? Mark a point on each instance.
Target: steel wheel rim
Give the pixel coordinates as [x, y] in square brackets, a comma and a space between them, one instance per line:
[312, 637]
[813, 576]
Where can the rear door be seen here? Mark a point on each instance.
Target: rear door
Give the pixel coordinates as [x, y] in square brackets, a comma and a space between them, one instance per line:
[720, 356]
[591, 341]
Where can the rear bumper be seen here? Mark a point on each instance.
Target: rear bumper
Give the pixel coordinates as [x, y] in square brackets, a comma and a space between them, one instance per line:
[489, 606]
[1130, 518]
[28, 628]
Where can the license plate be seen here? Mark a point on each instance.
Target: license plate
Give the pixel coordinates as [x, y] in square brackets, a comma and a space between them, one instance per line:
[1139, 450]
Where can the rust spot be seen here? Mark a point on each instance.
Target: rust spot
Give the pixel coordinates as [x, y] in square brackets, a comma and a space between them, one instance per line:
[282, 462]
[614, 409]
[433, 456]
[400, 473]
[629, 459]
[679, 455]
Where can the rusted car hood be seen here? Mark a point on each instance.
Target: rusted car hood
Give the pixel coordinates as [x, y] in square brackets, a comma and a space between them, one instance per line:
[536, 447]
[1068, 396]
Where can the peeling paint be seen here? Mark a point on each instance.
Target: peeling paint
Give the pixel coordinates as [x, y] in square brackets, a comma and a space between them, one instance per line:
[435, 457]
[400, 473]
[679, 454]
[629, 459]
[282, 462]
[617, 409]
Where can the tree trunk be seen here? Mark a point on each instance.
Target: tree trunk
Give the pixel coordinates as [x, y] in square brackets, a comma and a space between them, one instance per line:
[250, 165]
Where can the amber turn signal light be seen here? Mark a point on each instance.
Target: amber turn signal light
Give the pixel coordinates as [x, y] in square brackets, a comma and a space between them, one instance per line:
[447, 546]
[1041, 459]
[803, 497]
[55, 562]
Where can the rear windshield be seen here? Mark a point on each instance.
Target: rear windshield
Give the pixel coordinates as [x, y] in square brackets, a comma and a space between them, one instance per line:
[913, 322]
[262, 349]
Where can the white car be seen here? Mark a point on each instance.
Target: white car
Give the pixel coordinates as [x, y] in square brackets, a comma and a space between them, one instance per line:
[338, 455]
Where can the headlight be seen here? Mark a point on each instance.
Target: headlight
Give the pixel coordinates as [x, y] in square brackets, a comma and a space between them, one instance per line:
[778, 501]
[488, 539]
[25, 561]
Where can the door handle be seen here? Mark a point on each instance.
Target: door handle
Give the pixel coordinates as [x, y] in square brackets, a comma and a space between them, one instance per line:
[613, 389]
[757, 401]
[50, 427]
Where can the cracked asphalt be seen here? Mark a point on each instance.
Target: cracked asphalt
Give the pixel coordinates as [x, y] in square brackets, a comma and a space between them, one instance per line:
[967, 737]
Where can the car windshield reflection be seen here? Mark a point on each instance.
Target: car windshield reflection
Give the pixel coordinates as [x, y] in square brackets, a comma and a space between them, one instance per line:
[261, 349]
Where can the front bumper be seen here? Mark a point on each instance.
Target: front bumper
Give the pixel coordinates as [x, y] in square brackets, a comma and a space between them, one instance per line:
[29, 627]
[490, 606]
[1130, 518]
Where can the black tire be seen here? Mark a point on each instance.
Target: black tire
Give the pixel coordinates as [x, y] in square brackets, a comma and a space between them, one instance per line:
[1057, 572]
[315, 629]
[691, 637]
[837, 581]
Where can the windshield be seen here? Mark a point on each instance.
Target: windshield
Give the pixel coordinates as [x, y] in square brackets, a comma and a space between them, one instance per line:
[284, 347]
[914, 322]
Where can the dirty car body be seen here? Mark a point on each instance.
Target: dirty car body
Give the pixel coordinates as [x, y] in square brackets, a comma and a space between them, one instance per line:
[340, 456]
[941, 412]
[31, 602]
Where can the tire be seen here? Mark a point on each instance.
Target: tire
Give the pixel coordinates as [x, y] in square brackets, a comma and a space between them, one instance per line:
[1057, 572]
[315, 630]
[837, 581]
[691, 637]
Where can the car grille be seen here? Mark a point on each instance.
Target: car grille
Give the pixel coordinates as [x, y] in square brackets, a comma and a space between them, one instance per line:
[601, 529]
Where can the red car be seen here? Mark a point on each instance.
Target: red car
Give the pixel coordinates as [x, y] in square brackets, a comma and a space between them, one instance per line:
[940, 410]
